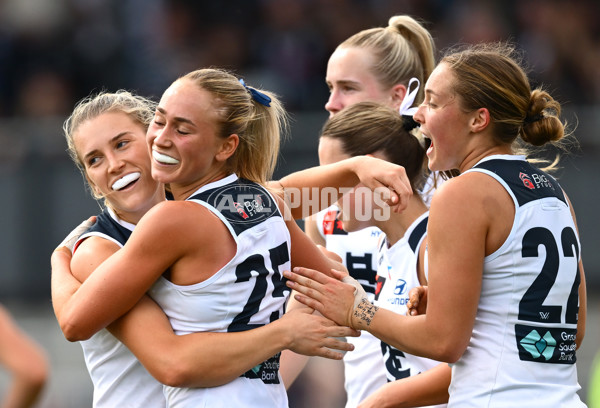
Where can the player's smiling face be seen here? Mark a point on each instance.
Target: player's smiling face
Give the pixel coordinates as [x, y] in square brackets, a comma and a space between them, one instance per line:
[115, 157]
[183, 137]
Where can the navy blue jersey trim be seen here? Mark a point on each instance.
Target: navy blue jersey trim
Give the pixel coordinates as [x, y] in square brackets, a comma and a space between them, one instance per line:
[105, 224]
[527, 182]
[417, 234]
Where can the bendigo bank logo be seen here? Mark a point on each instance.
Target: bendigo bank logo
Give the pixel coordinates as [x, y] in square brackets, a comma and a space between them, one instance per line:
[535, 181]
[526, 181]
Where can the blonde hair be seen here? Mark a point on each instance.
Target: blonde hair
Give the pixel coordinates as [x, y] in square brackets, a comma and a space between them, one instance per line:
[258, 126]
[402, 50]
[139, 109]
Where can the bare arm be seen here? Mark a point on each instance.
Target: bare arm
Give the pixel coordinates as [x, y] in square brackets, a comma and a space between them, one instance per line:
[212, 359]
[581, 320]
[203, 359]
[311, 229]
[456, 254]
[121, 280]
[303, 188]
[428, 388]
[25, 361]
[67, 274]
[305, 253]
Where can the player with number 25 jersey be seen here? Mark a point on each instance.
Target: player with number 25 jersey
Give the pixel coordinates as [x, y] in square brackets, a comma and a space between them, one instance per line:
[246, 293]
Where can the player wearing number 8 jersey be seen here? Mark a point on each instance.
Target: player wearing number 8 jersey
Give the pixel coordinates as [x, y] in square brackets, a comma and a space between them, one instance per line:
[506, 303]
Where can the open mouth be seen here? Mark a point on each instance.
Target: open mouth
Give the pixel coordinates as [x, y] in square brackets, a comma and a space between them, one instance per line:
[428, 145]
[163, 158]
[126, 181]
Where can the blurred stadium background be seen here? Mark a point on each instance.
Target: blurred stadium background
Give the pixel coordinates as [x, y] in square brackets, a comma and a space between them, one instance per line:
[53, 53]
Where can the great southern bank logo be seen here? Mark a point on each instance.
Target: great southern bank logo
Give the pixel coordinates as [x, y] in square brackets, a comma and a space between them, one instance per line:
[538, 346]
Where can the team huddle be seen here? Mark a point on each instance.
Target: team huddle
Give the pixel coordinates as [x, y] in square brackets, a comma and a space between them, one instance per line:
[443, 265]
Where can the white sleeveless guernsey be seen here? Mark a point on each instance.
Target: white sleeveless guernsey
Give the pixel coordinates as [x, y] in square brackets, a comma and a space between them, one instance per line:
[119, 379]
[522, 350]
[246, 293]
[364, 371]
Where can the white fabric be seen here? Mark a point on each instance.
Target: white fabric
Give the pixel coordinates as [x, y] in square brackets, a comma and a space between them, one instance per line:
[364, 371]
[406, 107]
[212, 305]
[492, 372]
[119, 379]
[398, 271]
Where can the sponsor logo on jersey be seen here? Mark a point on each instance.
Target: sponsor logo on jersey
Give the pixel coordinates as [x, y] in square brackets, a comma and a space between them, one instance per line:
[539, 346]
[375, 233]
[379, 285]
[400, 288]
[240, 203]
[526, 181]
[553, 345]
[240, 209]
[535, 180]
[267, 371]
[331, 225]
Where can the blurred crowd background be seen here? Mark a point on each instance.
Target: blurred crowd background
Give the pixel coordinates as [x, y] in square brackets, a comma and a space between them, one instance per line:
[53, 53]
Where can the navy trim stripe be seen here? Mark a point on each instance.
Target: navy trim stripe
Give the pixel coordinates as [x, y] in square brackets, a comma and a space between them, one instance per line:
[527, 182]
[105, 224]
[417, 234]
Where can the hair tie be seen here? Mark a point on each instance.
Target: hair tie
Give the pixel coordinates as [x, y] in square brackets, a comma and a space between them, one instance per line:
[534, 118]
[408, 123]
[409, 99]
[406, 109]
[258, 96]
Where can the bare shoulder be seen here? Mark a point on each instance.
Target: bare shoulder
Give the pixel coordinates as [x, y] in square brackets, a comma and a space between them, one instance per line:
[90, 247]
[89, 254]
[471, 198]
[472, 206]
[185, 218]
[467, 191]
[174, 216]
